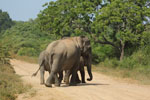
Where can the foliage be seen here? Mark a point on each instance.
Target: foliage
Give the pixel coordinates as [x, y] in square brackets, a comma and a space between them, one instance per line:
[10, 83]
[68, 17]
[145, 38]
[137, 61]
[5, 21]
[25, 38]
[4, 55]
[27, 51]
[101, 52]
[121, 22]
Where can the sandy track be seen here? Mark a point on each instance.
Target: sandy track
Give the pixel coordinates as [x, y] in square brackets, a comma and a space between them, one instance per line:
[100, 88]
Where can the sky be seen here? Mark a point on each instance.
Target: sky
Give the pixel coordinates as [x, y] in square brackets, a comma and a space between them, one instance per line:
[22, 10]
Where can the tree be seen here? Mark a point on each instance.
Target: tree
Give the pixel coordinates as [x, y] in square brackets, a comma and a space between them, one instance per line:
[25, 38]
[5, 21]
[68, 17]
[121, 22]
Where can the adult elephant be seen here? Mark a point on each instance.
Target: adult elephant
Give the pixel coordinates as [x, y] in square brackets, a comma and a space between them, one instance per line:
[65, 55]
[44, 66]
[85, 60]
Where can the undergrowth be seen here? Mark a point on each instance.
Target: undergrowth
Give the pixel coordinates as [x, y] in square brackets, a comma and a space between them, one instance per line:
[136, 66]
[10, 83]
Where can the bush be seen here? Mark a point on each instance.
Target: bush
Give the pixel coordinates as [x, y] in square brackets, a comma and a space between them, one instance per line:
[27, 52]
[26, 37]
[138, 61]
[111, 63]
[101, 52]
[4, 55]
[10, 83]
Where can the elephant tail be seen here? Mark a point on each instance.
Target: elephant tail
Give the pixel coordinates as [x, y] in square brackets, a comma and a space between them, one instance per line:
[34, 74]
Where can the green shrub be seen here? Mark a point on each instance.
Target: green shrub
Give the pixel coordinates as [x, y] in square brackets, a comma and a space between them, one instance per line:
[137, 61]
[26, 37]
[128, 63]
[27, 52]
[111, 63]
[101, 52]
[4, 55]
[10, 83]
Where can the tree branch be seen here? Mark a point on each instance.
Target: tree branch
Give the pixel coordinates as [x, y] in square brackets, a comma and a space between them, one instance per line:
[107, 42]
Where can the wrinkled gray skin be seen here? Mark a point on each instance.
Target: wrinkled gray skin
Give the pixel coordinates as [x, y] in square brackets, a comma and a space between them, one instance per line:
[44, 66]
[85, 60]
[65, 55]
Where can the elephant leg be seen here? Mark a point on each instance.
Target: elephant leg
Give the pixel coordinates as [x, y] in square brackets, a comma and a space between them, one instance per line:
[73, 79]
[53, 81]
[74, 75]
[82, 74]
[42, 71]
[57, 83]
[50, 79]
[60, 76]
[53, 74]
[67, 75]
[65, 78]
[77, 79]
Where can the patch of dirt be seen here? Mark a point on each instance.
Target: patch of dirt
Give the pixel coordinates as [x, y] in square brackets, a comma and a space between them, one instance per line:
[100, 88]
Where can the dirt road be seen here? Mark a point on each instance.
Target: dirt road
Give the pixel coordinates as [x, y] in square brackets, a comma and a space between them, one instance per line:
[100, 88]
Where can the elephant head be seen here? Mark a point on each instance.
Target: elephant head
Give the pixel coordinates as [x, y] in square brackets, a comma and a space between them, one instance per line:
[86, 52]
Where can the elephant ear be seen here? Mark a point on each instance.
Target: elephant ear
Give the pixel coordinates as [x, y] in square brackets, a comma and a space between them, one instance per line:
[85, 43]
[79, 42]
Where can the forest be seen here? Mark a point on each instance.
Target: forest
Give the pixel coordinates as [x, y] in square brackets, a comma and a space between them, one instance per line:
[119, 31]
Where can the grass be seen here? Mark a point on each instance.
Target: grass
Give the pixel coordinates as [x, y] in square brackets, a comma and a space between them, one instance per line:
[10, 83]
[26, 58]
[131, 76]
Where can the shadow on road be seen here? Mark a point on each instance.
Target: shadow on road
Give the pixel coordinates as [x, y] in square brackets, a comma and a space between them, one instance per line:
[85, 84]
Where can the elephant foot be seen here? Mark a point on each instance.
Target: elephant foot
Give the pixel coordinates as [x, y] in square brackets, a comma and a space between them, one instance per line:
[57, 85]
[83, 82]
[78, 81]
[48, 85]
[60, 80]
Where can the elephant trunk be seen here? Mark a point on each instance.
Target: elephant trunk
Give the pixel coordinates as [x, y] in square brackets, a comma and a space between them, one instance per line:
[89, 72]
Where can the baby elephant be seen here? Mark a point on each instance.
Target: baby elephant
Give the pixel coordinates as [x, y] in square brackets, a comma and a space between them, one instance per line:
[44, 66]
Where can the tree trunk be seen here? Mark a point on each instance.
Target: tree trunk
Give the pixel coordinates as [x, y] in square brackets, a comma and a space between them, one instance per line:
[122, 50]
